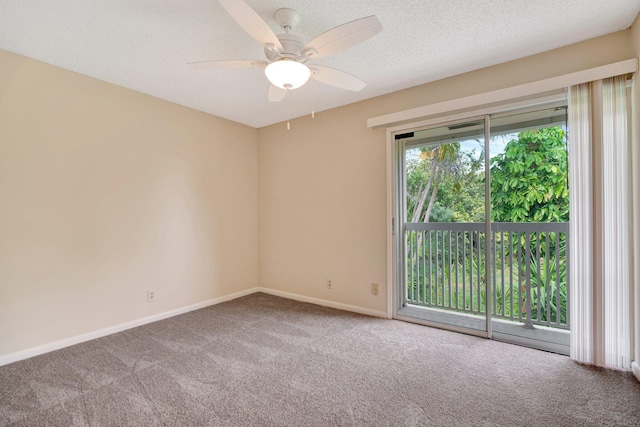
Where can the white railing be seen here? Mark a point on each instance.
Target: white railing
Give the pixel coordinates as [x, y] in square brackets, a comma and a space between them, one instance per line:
[528, 270]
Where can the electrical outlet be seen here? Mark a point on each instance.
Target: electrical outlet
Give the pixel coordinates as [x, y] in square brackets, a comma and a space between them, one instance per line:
[375, 288]
[151, 296]
[329, 284]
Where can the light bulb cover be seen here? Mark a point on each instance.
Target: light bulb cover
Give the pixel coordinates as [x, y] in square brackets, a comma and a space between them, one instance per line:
[287, 74]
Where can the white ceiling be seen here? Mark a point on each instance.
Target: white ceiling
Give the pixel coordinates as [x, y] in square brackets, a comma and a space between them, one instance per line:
[144, 44]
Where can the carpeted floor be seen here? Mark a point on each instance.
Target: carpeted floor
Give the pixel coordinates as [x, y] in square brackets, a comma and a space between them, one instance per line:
[264, 360]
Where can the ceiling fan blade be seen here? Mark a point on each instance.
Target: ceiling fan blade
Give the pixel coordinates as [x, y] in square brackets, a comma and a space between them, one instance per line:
[249, 20]
[336, 78]
[239, 63]
[276, 94]
[344, 36]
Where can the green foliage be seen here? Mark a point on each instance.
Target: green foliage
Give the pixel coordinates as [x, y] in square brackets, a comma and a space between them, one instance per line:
[463, 194]
[446, 270]
[528, 184]
[455, 175]
[529, 179]
[417, 175]
[440, 213]
[547, 277]
[545, 286]
[424, 175]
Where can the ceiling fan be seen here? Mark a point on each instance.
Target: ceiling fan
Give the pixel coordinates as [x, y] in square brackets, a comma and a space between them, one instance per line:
[288, 57]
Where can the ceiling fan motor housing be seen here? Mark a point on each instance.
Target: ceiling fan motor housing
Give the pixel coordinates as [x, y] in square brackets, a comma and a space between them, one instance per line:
[292, 48]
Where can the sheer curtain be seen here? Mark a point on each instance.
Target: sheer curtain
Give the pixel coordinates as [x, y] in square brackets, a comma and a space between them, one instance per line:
[617, 223]
[600, 196]
[581, 239]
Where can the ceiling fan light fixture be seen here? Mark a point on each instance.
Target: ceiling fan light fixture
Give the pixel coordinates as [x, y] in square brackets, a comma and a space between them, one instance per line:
[287, 73]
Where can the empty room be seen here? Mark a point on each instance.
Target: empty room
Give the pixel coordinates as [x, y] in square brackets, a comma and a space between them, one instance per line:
[298, 213]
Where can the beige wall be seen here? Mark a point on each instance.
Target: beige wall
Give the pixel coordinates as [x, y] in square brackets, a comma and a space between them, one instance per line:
[322, 185]
[105, 193]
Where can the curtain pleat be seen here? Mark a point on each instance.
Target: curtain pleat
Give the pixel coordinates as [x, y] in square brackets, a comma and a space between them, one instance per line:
[580, 237]
[616, 224]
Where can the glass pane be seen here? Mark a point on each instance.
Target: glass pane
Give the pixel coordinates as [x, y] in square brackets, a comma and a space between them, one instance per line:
[445, 174]
[445, 223]
[530, 211]
[529, 167]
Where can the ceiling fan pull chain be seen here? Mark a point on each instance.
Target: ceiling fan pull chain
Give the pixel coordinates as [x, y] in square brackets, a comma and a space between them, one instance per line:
[313, 101]
[288, 111]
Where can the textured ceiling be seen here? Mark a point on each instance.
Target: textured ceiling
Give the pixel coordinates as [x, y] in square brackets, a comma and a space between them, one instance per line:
[144, 44]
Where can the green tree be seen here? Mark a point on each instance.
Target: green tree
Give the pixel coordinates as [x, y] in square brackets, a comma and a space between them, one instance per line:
[529, 184]
[463, 194]
[529, 179]
[443, 185]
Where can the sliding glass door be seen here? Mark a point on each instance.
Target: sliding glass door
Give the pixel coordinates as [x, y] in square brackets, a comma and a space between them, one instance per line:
[443, 232]
[482, 245]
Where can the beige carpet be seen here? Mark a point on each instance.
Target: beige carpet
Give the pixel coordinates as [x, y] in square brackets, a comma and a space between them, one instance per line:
[263, 360]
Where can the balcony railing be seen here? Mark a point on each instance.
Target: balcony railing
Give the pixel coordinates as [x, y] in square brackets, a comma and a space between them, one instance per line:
[528, 270]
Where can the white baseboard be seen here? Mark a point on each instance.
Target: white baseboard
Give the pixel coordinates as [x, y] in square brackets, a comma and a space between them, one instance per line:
[635, 367]
[66, 342]
[325, 303]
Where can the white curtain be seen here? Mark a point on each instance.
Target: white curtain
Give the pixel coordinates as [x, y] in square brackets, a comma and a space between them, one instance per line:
[581, 239]
[600, 197]
[617, 223]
